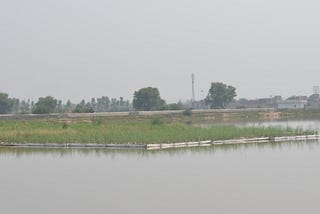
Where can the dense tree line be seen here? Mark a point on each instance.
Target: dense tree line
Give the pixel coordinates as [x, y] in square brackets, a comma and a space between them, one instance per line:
[103, 104]
[145, 99]
[49, 104]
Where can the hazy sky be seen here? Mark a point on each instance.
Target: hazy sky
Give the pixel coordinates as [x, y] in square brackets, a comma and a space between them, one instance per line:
[91, 48]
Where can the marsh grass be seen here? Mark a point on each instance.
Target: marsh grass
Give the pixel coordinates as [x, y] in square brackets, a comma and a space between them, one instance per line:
[148, 131]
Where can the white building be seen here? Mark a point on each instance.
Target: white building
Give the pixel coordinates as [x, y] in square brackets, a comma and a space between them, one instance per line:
[292, 104]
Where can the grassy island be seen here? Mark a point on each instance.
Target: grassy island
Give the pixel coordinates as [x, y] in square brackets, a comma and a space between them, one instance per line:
[152, 130]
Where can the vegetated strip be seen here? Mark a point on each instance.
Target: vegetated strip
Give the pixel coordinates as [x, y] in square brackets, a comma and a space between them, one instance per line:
[115, 134]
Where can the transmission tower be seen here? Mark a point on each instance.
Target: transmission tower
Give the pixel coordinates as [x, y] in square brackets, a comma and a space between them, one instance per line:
[316, 90]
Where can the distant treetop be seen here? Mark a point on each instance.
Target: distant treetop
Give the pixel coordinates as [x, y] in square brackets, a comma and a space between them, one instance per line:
[220, 95]
[147, 99]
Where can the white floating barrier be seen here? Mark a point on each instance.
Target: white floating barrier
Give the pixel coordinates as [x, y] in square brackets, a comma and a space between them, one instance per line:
[164, 145]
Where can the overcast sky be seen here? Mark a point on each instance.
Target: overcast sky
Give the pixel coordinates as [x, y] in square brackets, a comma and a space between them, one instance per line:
[90, 48]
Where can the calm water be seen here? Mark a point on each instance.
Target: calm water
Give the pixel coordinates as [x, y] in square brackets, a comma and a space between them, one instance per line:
[313, 125]
[256, 178]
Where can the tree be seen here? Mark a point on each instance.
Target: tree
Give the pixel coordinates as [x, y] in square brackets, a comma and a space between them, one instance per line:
[220, 95]
[24, 107]
[93, 104]
[45, 105]
[84, 107]
[121, 102]
[6, 103]
[103, 104]
[15, 105]
[147, 99]
[59, 106]
[68, 107]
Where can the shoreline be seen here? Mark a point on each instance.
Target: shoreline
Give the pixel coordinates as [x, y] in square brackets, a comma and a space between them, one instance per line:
[213, 115]
[161, 146]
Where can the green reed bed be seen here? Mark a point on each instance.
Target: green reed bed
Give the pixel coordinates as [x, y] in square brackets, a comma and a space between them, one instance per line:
[130, 132]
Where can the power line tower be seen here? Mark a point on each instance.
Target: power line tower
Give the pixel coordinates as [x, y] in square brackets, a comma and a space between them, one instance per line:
[316, 90]
[193, 96]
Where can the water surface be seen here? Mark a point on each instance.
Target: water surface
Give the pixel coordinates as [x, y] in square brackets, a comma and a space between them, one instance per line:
[256, 178]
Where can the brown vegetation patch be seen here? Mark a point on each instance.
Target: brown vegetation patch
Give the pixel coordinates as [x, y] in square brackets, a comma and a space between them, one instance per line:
[272, 115]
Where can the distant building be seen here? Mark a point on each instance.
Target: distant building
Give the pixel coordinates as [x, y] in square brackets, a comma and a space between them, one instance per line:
[200, 105]
[292, 104]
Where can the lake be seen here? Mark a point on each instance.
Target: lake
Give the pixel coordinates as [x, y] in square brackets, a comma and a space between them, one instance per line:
[252, 178]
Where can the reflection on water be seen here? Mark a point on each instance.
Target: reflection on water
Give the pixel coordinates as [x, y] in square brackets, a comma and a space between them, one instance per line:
[306, 125]
[100, 152]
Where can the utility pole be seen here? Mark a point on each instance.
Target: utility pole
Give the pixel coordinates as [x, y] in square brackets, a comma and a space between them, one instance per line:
[193, 97]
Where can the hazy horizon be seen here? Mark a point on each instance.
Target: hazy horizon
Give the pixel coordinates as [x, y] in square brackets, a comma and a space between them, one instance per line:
[82, 49]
